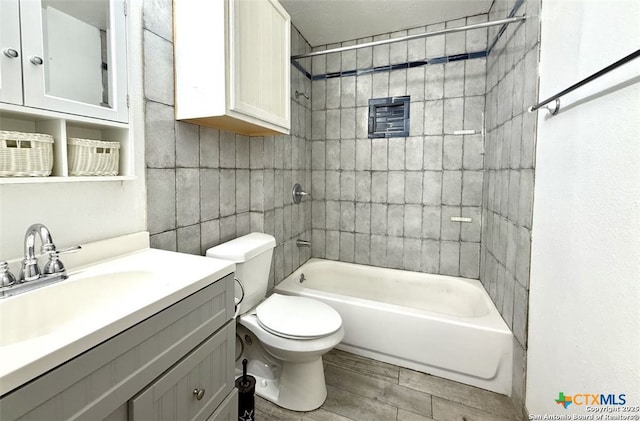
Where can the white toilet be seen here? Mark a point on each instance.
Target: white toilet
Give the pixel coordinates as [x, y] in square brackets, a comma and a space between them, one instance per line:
[283, 337]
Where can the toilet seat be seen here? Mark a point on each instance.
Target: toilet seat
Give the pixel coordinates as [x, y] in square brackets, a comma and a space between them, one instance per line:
[297, 317]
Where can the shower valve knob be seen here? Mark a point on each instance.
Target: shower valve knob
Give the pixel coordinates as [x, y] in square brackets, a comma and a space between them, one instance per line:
[297, 193]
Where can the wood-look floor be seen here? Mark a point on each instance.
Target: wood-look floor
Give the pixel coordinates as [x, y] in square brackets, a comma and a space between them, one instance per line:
[363, 389]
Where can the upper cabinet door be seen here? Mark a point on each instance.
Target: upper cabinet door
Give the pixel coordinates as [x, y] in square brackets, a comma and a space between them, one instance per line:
[259, 33]
[232, 65]
[74, 57]
[10, 62]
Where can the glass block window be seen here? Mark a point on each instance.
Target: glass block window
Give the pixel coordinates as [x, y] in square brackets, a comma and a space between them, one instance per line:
[389, 117]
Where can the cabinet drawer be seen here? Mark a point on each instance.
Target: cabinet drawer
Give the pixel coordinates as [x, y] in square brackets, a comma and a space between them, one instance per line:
[208, 368]
[228, 409]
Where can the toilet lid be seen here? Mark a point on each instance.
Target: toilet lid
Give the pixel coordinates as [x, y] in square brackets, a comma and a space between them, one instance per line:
[297, 317]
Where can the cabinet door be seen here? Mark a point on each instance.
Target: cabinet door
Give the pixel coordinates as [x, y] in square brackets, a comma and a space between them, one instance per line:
[10, 63]
[259, 60]
[228, 409]
[194, 387]
[74, 57]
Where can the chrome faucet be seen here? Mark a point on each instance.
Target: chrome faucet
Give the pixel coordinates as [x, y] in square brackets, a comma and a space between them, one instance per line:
[30, 269]
[31, 275]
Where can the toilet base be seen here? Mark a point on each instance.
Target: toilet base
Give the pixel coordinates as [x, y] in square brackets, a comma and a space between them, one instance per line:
[299, 386]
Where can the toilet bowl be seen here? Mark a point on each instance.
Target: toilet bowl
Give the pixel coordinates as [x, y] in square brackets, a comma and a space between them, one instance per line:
[283, 337]
[292, 374]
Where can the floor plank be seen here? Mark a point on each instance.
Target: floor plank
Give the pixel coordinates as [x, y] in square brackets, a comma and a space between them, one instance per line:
[266, 410]
[445, 410]
[457, 392]
[381, 390]
[362, 365]
[324, 415]
[410, 416]
[356, 407]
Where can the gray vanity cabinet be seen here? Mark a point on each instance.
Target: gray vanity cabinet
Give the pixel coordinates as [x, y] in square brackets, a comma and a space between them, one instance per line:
[148, 372]
[194, 387]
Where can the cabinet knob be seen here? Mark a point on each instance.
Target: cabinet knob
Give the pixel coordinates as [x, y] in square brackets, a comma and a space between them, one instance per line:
[10, 52]
[198, 393]
[36, 60]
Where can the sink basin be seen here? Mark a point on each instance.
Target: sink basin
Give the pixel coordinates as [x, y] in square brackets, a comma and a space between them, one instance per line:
[77, 300]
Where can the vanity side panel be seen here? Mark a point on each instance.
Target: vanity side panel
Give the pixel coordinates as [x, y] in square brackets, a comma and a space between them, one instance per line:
[97, 382]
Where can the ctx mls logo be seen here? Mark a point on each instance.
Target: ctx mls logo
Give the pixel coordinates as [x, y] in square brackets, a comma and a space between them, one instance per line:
[564, 400]
[590, 399]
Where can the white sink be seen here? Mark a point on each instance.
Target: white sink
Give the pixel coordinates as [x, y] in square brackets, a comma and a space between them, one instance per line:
[79, 299]
[43, 328]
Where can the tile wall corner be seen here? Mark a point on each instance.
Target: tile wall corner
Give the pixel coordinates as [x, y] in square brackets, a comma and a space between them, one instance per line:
[206, 186]
[509, 171]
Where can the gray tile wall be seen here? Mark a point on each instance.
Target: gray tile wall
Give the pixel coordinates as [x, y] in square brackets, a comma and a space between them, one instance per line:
[388, 202]
[206, 186]
[507, 203]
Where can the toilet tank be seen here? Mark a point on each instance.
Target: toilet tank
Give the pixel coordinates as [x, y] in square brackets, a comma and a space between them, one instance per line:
[252, 255]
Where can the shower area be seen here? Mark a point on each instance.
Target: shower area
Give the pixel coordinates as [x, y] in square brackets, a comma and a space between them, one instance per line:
[453, 196]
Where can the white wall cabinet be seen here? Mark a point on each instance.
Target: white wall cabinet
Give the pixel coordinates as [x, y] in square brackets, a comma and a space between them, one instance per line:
[65, 56]
[232, 64]
[63, 72]
[147, 372]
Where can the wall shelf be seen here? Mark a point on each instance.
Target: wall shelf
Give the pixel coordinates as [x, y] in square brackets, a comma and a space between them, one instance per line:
[59, 179]
[62, 126]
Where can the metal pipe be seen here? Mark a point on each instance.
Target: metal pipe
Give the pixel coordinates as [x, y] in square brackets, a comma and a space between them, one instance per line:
[414, 36]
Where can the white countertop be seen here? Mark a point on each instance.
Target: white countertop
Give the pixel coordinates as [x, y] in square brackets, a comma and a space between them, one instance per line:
[124, 291]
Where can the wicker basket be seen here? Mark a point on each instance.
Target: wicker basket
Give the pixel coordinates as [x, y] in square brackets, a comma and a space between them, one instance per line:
[93, 157]
[25, 154]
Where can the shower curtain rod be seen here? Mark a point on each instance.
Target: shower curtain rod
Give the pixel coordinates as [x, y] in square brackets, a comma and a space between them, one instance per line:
[555, 108]
[414, 36]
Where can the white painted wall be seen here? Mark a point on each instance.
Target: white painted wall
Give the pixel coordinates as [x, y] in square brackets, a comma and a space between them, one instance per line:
[78, 212]
[584, 325]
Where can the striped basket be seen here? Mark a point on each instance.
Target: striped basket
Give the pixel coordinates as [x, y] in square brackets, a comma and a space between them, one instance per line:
[25, 154]
[93, 157]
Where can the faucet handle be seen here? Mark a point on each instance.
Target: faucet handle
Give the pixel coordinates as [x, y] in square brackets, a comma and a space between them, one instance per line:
[68, 250]
[54, 265]
[6, 277]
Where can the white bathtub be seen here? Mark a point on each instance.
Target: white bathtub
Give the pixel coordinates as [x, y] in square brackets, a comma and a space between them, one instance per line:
[441, 325]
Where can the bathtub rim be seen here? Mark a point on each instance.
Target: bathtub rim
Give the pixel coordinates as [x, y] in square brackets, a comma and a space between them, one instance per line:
[492, 321]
